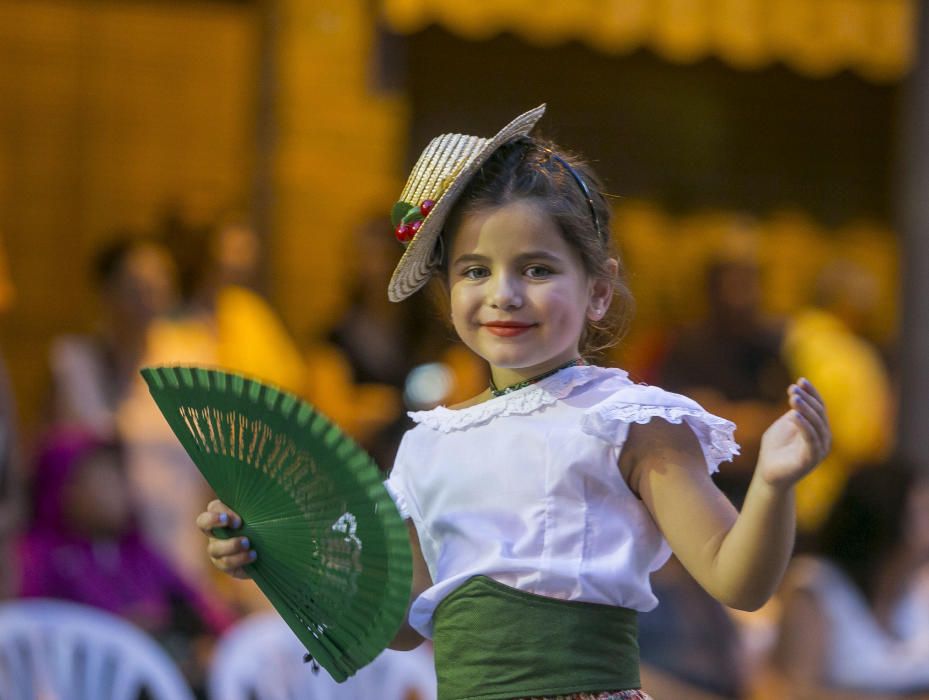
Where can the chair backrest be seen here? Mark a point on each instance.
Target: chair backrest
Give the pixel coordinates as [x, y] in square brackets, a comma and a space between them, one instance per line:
[261, 659]
[54, 650]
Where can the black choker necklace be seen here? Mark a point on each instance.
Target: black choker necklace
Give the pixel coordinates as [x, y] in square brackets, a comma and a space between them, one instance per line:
[576, 362]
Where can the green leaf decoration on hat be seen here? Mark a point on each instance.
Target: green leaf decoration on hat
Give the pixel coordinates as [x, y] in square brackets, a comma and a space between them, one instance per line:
[333, 552]
[414, 214]
[398, 211]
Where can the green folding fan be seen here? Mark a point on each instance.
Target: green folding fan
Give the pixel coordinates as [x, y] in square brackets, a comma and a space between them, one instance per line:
[333, 552]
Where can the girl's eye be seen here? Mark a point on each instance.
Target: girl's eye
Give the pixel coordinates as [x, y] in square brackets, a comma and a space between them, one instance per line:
[475, 273]
[538, 272]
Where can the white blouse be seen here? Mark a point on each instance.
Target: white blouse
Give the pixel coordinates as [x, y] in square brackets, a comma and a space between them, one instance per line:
[525, 488]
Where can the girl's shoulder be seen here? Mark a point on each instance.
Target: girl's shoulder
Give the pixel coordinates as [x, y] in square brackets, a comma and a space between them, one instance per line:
[611, 419]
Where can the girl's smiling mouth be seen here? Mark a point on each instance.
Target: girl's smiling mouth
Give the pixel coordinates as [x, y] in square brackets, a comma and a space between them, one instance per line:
[508, 329]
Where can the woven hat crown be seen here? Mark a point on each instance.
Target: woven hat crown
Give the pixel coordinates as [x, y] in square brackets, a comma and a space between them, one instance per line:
[438, 166]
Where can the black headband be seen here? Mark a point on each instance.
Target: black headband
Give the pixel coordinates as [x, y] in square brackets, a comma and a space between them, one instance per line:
[583, 185]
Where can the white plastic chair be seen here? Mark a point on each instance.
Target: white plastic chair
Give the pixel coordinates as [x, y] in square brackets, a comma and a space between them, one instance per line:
[53, 650]
[261, 659]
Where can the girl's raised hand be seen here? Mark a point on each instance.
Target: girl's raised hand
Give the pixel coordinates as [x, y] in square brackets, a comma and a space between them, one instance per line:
[797, 441]
[229, 555]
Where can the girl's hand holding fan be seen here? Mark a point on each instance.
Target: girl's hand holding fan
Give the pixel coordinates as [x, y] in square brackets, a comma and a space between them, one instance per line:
[230, 555]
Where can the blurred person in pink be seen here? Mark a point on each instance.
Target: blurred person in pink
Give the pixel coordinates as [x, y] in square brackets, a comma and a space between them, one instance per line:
[855, 622]
[84, 545]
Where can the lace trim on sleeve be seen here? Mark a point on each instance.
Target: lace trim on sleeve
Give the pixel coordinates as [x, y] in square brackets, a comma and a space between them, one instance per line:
[716, 435]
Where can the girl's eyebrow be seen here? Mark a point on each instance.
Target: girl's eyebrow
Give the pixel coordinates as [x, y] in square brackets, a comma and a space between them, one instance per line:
[469, 258]
[522, 257]
[538, 255]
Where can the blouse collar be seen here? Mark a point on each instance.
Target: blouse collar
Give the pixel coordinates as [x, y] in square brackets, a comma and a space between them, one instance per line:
[517, 403]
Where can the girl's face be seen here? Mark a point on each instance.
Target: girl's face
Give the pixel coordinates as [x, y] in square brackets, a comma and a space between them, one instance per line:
[520, 295]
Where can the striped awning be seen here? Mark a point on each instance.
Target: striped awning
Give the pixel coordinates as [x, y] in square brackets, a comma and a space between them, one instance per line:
[874, 38]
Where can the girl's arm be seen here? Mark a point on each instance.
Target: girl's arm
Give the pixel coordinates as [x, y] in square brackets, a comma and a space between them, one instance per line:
[739, 558]
[407, 638]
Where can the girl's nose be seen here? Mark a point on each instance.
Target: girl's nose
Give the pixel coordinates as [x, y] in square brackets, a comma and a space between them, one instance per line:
[504, 293]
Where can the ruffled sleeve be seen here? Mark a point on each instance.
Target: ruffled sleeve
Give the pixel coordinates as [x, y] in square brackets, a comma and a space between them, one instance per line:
[610, 419]
[396, 484]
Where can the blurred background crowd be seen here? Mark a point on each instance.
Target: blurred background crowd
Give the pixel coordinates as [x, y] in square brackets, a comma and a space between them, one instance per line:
[208, 182]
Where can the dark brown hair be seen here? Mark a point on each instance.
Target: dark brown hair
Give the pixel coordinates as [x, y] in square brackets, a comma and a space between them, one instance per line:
[538, 170]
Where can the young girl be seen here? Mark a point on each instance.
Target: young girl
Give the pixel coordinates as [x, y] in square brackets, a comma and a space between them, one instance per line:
[539, 508]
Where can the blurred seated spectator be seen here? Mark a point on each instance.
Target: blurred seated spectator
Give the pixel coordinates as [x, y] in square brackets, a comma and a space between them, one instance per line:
[93, 374]
[821, 344]
[856, 615]
[84, 546]
[730, 362]
[96, 386]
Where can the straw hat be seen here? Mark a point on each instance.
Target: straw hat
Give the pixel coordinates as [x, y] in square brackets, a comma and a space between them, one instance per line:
[437, 180]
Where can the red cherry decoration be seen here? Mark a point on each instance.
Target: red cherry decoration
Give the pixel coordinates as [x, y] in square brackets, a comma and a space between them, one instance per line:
[404, 233]
[426, 207]
[416, 226]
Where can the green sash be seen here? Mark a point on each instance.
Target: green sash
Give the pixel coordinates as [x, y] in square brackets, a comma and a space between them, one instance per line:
[493, 642]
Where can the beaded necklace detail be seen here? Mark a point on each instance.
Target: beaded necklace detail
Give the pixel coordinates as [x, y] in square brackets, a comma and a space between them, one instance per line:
[576, 362]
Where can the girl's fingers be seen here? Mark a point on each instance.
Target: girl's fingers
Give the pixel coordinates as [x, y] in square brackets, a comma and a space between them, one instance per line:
[235, 561]
[207, 521]
[218, 515]
[808, 390]
[224, 548]
[804, 423]
[813, 412]
[231, 555]
[217, 506]
[813, 424]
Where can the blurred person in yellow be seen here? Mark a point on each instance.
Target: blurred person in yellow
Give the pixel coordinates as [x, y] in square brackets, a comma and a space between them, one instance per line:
[10, 476]
[821, 343]
[218, 265]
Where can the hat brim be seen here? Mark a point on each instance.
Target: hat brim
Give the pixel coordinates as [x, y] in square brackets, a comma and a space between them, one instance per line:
[417, 265]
